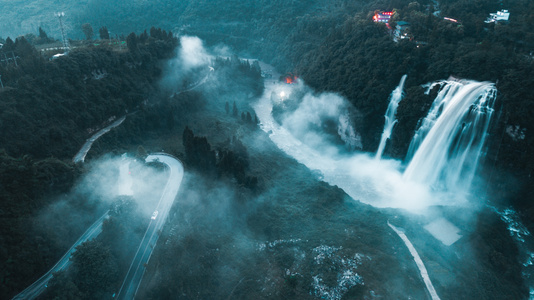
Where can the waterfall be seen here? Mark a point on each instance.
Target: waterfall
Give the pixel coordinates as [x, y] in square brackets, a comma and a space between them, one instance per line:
[447, 147]
[394, 99]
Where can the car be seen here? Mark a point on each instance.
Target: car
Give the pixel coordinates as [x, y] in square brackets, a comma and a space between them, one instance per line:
[154, 215]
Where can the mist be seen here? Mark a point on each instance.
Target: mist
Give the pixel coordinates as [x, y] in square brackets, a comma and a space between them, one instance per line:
[376, 182]
[322, 121]
[206, 236]
[100, 189]
[188, 67]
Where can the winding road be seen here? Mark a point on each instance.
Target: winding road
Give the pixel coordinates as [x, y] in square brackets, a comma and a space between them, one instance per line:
[80, 156]
[136, 271]
[137, 268]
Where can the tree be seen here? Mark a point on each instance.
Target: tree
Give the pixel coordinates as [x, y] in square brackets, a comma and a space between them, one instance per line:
[9, 45]
[143, 37]
[42, 33]
[62, 287]
[95, 269]
[88, 31]
[131, 42]
[23, 48]
[198, 151]
[141, 153]
[234, 110]
[227, 107]
[104, 33]
[93, 274]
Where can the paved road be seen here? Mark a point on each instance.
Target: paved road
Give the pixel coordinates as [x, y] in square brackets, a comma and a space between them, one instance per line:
[80, 156]
[195, 85]
[137, 268]
[418, 262]
[40, 285]
[135, 274]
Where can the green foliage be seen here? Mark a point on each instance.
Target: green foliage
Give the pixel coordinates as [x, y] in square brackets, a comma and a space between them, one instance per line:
[123, 230]
[42, 33]
[42, 38]
[25, 180]
[141, 153]
[131, 41]
[88, 31]
[59, 103]
[47, 111]
[234, 110]
[230, 160]
[92, 275]
[31, 189]
[104, 33]
[198, 151]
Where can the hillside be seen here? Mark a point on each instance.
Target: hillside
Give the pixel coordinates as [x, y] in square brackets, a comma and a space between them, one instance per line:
[244, 197]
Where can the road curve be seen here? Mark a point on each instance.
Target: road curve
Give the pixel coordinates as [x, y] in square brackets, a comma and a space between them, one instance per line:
[142, 256]
[40, 285]
[418, 262]
[80, 156]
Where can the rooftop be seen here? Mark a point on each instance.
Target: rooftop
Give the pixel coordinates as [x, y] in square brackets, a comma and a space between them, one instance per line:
[502, 15]
[383, 17]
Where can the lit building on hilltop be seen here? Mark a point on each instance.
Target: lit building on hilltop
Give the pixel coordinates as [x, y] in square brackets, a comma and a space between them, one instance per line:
[383, 17]
[500, 16]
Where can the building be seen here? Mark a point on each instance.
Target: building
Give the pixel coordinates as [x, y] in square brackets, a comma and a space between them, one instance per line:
[383, 17]
[500, 16]
[450, 19]
[400, 32]
[56, 56]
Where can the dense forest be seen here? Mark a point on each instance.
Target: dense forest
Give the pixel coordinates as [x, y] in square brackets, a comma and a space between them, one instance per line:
[49, 108]
[55, 103]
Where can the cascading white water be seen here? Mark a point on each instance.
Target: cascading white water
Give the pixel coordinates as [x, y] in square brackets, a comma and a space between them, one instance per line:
[394, 99]
[386, 183]
[447, 147]
[435, 111]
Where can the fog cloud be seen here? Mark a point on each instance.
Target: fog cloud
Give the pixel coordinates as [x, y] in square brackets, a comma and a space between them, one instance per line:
[187, 66]
[192, 53]
[107, 178]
